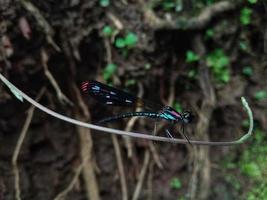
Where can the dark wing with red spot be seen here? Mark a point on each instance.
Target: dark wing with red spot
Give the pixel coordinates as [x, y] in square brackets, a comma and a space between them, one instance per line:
[109, 95]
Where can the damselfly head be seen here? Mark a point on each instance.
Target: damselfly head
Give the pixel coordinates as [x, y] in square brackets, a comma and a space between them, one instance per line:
[187, 117]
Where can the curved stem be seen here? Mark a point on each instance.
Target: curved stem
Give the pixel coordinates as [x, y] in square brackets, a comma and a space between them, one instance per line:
[18, 92]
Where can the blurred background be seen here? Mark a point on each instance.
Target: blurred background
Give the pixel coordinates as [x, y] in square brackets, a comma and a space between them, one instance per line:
[197, 55]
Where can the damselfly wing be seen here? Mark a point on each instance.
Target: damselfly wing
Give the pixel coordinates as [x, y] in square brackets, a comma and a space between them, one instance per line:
[114, 97]
[109, 95]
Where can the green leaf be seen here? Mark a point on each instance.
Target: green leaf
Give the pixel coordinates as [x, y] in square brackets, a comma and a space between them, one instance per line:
[175, 183]
[130, 82]
[225, 77]
[192, 73]
[147, 66]
[247, 71]
[107, 31]
[209, 2]
[245, 123]
[120, 43]
[219, 63]
[230, 165]
[104, 3]
[178, 5]
[243, 45]
[251, 169]
[252, 1]
[259, 191]
[109, 71]
[245, 16]
[232, 180]
[259, 136]
[177, 107]
[209, 33]
[259, 95]
[191, 57]
[168, 4]
[131, 39]
[15, 92]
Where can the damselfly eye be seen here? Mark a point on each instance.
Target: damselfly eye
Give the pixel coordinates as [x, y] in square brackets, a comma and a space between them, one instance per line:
[187, 117]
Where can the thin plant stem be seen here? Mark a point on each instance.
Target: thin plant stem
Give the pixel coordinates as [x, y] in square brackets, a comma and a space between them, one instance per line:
[133, 134]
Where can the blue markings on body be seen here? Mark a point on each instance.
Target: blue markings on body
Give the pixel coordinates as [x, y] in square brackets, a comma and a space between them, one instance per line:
[97, 88]
[143, 114]
[133, 114]
[152, 114]
[167, 116]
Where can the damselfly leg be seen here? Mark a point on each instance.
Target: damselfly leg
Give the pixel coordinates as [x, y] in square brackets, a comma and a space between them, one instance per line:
[183, 133]
[169, 135]
[155, 129]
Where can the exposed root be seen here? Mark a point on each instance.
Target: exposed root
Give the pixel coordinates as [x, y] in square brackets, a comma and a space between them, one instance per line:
[41, 21]
[200, 189]
[86, 151]
[62, 194]
[150, 181]
[117, 23]
[19, 145]
[78, 171]
[155, 155]
[141, 176]
[192, 189]
[194, 23]
[131, 123]
[62, 97]
[120, 167]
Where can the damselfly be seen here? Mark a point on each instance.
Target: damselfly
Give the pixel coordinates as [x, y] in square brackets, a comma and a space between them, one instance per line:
[112, 96]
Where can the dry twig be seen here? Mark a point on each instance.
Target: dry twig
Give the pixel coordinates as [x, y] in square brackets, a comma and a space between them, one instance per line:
[62, 194]
[19, 145]
[202, 160]
[89, 175]
[120, 167]
[130, 124]
[198, 22]
[41, 21]
[141, 176]
[115, 21]
[86, 151]
[115, 139]
[127, 140]
[78, 171]
[150, 181]
[155, 155]
[62, 97]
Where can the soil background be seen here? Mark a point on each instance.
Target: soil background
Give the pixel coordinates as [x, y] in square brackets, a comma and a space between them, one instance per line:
[201, 56]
